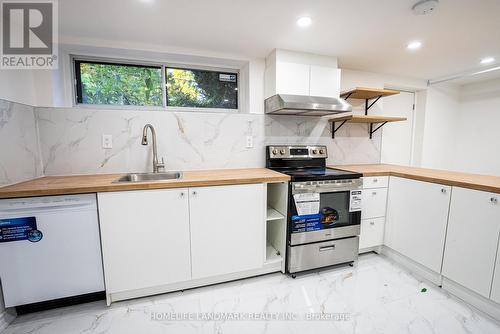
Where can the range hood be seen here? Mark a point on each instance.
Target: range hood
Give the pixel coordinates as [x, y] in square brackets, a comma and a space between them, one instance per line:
[281, 104]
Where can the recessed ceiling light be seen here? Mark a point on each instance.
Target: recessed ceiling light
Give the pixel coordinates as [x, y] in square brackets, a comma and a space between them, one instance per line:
[487, 60]
[304, 21]
[414, 45]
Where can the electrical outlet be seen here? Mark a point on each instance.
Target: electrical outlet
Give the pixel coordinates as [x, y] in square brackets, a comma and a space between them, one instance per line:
[249, 142]
[107, 141]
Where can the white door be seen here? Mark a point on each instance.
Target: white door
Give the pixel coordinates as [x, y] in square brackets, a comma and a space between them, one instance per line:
[471, 239]
[397, 137]
[417, 214]
[325, 81]
[227, 229]
[145, 238]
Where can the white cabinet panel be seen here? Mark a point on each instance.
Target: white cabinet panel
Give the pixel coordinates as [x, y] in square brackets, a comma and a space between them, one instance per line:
[374, 203]
[145, 238]
[325, 81]
[417, 214]
[227, 229]
[292, 78]
[471, 239]
[372, 232]
[495, 287]
[375, 182]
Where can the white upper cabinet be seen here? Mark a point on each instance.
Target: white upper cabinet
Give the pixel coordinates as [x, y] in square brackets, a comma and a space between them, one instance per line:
[297, 73]
[472, 239]
[292, 78]
[417, 214]
[145, 238]
[324, 81]
[227, 229]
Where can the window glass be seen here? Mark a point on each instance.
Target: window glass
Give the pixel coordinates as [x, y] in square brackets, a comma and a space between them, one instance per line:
[201, 89]
[118, 84]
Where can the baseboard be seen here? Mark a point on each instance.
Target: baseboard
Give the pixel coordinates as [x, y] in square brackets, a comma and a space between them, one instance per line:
[156, 290]
[481, 303]
[6, 317]
[413, 267]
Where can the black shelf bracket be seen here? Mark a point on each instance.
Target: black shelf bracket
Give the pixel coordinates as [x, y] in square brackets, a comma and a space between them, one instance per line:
[372, 131]
[336, 129]
[368, 106]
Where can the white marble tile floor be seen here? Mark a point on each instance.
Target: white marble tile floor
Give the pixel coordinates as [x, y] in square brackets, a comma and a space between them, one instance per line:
[375, 296]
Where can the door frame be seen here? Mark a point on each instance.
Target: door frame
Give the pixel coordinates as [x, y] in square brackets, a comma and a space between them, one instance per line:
[413, 130]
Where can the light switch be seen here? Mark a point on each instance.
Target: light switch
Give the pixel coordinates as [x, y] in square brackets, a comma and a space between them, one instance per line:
[249, 142]
[107, 141]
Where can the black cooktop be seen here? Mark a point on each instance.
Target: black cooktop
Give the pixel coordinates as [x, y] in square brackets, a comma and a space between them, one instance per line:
[312, 174]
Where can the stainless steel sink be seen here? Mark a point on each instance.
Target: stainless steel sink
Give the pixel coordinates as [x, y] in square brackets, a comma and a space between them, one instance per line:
[144, 177]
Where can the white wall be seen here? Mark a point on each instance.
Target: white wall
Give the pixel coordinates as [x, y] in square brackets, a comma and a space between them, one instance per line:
[17, 86]
[477, 147]
[441, 115]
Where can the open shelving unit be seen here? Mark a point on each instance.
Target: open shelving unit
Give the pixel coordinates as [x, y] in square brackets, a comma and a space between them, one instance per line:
[366, 94]
[277, 201]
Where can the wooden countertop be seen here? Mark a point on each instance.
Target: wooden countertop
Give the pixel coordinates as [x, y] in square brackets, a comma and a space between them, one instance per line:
[458, 179]
[80, 184]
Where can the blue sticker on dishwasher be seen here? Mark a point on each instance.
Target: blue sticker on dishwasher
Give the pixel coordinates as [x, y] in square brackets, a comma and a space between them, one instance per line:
[15, 229]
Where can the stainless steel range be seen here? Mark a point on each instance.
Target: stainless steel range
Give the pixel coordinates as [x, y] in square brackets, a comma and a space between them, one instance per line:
[324, 208]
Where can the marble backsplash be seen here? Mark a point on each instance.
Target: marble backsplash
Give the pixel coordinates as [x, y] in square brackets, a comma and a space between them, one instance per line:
[70, 139]
[20, 157]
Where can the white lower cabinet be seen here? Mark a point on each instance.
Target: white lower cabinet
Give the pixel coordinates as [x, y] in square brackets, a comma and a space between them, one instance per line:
[374, 203]
[472, 240]
[145, 238]
[372, 232]
[153, 238]
[495, 286]
[227, 229]
[417, 214]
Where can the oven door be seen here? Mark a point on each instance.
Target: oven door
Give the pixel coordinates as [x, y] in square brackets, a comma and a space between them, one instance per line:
[339, 213]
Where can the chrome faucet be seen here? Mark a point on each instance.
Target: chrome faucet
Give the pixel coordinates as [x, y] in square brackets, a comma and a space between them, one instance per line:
[157, 166]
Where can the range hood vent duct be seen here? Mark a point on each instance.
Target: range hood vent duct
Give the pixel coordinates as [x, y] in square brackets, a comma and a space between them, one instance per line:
[281, 104]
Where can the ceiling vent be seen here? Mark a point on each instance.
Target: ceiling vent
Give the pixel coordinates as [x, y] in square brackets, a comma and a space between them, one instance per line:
[425, 7]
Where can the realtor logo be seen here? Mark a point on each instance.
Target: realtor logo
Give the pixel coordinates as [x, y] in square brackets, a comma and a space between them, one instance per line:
[29, 33]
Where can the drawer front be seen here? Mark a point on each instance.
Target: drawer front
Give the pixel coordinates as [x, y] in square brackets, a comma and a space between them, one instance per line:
[372, 232]
[322, 254]
[374, 203]
[375, 182]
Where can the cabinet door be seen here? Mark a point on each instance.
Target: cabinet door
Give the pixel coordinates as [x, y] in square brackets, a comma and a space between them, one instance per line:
[227, 229]
[145, 238]
[325, 81]
[417, 214]
[471, 239]
[374, 202]
[292, 78]
[372, 232]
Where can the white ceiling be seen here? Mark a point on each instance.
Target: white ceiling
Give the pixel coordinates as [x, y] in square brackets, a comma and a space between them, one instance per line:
[364, 34]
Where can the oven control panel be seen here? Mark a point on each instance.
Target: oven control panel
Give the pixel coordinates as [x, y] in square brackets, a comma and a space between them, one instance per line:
[297, 152]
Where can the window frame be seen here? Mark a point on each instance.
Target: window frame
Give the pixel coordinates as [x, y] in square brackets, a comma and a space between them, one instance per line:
[74, 60]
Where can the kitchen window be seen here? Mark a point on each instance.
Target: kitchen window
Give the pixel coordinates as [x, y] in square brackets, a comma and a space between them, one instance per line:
[117, 84]
[171, 87]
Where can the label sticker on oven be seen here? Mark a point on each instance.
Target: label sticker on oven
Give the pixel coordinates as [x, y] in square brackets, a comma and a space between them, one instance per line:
[355, 202]
[307, 203]
[306, 223]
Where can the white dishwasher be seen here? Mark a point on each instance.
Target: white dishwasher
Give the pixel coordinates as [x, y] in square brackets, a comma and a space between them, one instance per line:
[49, 248]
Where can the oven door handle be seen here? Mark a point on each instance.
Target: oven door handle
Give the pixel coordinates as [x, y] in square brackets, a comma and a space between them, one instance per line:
[326, 248]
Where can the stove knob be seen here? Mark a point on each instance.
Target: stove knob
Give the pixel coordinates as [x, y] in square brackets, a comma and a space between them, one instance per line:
[282, 152]
[322, 151]
[275, 151]
[315, 151]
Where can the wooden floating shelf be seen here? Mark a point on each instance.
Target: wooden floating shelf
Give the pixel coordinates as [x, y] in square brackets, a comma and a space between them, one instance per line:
[366, 119]
[364, 93]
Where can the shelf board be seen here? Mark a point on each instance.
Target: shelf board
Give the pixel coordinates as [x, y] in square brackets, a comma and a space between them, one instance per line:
[364, 93]
[366, 119]
[271, 255]
[273, 214]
